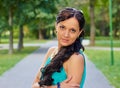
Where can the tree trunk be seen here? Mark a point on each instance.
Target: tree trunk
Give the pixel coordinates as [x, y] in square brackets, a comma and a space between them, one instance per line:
[92, 23]
[21, 35]
[11, 32]
[40, 34]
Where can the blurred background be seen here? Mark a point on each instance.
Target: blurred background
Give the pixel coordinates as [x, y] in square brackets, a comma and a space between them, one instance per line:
[32, 22]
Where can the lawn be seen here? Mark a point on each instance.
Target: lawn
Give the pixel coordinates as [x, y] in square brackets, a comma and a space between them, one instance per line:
[106, 43]
[6, 41]
[7, 61]
[102, 60]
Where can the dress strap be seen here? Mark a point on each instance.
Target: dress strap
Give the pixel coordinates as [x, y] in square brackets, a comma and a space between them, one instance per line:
[55, 51]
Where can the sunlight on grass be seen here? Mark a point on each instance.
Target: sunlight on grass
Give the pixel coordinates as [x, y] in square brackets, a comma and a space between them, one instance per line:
[5, 41]
[102, 60]
[7, 61]
[116, 43]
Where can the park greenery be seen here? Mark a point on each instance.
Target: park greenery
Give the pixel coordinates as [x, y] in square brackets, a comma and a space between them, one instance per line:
[102, 60]
[36, 18]
[24, 20]
[7, 63]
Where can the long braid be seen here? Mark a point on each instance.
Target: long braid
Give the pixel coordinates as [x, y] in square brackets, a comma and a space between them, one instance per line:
[57, 62]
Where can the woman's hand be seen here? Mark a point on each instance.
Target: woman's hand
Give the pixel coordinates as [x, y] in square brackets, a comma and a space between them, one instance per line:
[66, 84]
[35, 85]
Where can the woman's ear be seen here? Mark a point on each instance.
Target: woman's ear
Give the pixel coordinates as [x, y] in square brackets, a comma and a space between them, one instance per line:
[55, 31]
[80, 32]
[55, 25]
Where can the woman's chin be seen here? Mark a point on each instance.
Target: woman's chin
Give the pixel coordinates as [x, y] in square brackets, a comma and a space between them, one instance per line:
[65, 44]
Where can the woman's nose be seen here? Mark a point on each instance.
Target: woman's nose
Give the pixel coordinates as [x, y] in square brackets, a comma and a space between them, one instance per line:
[66, 34]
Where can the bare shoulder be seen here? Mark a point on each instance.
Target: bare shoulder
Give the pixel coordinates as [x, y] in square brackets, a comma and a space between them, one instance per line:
[76, 58]
[75, 61]
[50, 50]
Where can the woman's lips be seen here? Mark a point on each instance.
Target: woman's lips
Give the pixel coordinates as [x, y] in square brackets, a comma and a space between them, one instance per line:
[65, 40]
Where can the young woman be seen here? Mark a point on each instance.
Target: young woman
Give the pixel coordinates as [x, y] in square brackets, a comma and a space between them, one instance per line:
[64, 65]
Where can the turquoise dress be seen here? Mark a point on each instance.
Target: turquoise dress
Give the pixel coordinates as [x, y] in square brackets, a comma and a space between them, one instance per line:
[61, 76]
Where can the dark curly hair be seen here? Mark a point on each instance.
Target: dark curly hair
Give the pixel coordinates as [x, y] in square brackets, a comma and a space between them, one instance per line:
[65, 52]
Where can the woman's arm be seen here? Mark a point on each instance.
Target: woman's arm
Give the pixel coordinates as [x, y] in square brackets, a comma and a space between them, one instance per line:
[64, 84]
[75, 68]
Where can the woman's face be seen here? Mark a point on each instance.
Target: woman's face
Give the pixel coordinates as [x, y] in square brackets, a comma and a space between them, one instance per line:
[67, 31]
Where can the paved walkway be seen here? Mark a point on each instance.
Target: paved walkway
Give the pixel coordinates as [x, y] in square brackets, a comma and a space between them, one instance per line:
[22, 74]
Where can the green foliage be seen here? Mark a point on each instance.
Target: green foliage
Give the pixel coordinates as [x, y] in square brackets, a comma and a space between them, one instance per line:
[40, 14]
[102, 60]
[32, 12]
[26, 40]
[116, 18]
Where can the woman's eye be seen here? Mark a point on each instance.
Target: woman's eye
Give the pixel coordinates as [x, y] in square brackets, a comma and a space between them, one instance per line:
[73, 30]
[62, 27]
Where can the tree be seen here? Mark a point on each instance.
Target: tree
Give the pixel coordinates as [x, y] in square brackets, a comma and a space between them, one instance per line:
[92, 23]
[3, 26]
[8, 8]
[10, 22]
[21, 17]
[116, 17]
[45, 12]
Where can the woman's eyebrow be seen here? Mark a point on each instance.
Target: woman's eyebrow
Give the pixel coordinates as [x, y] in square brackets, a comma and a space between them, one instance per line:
[62, 25]
[73, 28]
[65, 26]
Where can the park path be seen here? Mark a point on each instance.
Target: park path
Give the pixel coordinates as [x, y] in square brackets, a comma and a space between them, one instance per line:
[23, 73]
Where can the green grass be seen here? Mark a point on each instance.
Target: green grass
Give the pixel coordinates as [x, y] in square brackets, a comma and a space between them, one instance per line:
[6, 40]
[102, 60]
[35, 41]
[116, 43]
[105, 41]
[7, 61]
